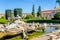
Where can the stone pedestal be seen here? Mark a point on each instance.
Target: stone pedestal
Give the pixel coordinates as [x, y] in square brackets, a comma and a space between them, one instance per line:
[59, 33]
[52, 37]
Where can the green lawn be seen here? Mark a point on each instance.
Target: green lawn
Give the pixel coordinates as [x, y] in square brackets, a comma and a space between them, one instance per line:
[30, 35]
[15, 38]
[35, 34]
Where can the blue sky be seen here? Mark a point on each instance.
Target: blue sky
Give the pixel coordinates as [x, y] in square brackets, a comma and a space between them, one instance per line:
[26, 5]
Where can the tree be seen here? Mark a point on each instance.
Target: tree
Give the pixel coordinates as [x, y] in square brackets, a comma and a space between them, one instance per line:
[2, 17]
[39, 12]
[8, 13]
[29, 16]
[33, 11]
[58, 1]
[3, 20]
[57, 15]
[20, 14]
[17, 11]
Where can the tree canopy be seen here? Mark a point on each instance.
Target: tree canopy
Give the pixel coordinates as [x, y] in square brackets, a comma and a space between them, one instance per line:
[39, 12]
[29, 16]
[58, 1]
[17, 11]
[3, 20]
[33, 11]
[8, 13]
[57, 15]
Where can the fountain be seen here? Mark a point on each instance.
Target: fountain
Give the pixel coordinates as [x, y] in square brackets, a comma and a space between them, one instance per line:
[45, 25]
[24, 34]
[2, 29]
[15, 25]
[18, 27]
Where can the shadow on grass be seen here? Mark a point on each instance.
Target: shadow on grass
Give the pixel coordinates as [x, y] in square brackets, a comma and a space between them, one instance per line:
[11, 36]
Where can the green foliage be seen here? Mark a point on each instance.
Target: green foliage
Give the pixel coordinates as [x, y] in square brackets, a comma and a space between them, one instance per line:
[29, 16]
[8, 13]
[23, 17]
[39, 12]
[3, 20]
[29, 36]
[15, 38]
[57, 15]
[2, 17]
[58, 1]
[43, 21]
[33, 11]
[35, 34]
[17, 11]
[42, 18]
[37, 18]
[46, 18]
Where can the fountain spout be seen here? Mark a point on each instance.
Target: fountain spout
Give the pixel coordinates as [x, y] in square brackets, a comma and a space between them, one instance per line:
[45, 25]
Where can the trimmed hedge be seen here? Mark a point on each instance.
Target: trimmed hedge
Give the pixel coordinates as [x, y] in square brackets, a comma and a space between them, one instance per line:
[3, 21]
[43, 21]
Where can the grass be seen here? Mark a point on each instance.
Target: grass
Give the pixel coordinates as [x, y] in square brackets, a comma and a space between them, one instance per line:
[30, 35]
[15, 38]
[1, 34]
[35, 34]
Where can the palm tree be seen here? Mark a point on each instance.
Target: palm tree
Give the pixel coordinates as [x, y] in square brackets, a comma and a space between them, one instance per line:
[58, 1]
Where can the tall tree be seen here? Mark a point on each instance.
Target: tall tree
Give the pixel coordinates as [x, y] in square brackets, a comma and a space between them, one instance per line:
[29, 16]
[17, 11]
[33, 11]
[58, 1]
[8, 13]
[20, 14]
[39, 12]
[57, 15]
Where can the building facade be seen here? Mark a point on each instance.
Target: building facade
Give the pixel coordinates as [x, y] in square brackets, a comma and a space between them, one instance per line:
[46, 13]
[50, 13]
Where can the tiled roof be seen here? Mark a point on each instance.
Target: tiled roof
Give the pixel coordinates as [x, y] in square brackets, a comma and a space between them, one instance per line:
[2, 14]
[47, 11]
[57, 8]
